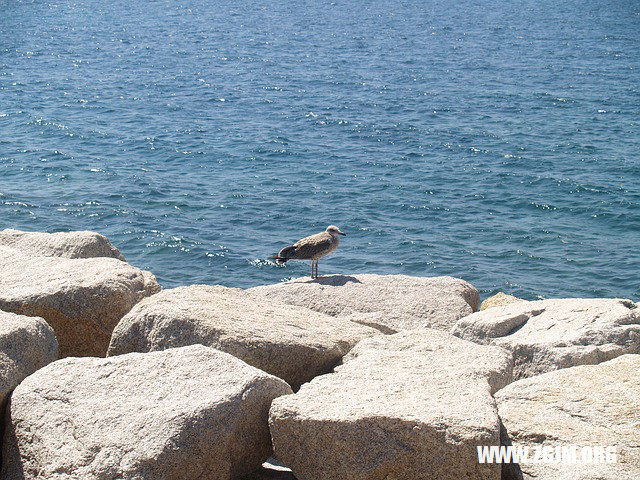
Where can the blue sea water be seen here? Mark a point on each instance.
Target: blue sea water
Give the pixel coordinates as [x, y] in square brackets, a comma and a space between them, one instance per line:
[493, 140]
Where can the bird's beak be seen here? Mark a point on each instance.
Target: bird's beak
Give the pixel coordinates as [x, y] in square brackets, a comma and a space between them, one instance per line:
[343, 234]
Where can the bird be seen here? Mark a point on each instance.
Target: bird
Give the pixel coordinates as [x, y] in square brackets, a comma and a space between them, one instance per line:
[313, 248]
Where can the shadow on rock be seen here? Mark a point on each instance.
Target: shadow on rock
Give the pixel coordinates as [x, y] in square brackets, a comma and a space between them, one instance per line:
[334, 280]
[510, 471]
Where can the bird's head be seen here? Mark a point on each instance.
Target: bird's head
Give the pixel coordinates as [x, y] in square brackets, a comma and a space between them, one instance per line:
[333, 231]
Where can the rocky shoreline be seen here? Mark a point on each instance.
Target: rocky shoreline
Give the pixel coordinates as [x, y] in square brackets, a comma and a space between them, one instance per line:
[104, 375]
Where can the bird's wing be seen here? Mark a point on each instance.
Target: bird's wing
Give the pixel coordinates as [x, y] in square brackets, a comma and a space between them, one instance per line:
[308, 247]
[286, 252]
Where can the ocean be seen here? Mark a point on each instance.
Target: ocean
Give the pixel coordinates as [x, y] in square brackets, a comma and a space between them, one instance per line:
[496, 141]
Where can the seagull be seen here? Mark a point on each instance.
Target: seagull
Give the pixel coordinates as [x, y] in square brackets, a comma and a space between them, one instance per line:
[312, 248]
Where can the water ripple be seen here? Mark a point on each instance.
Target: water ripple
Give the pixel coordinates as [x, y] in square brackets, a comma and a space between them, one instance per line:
[479, 140]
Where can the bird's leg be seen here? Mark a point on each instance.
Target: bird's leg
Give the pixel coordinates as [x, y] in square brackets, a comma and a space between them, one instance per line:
[317, 262]
[312, 269]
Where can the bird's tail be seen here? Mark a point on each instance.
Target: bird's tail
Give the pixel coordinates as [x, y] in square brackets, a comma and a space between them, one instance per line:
[285, 254]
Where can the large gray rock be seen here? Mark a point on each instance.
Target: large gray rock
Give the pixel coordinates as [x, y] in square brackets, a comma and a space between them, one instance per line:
[184, 413]
[550, 334]
[63, 244]
[26, 344]
[594, 405]
[414, 405]
[82, 299]
[293, 343]
[390, 303]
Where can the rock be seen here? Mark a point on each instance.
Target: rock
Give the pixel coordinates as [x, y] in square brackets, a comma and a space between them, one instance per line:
[550, 334]
[589, 405]
[442, 350]
[390, 303]
[271, 471]
[26, 345]
[499, 300]
[414, 405]
[67, 244]
[184, 413]
[293, 343]
[82, 299]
